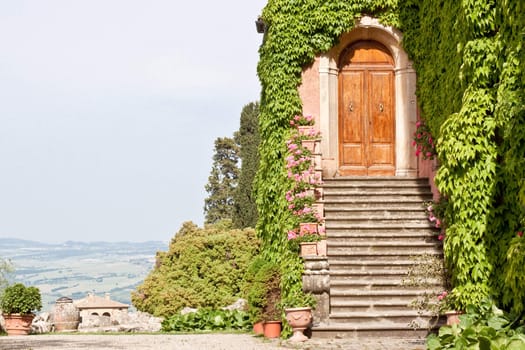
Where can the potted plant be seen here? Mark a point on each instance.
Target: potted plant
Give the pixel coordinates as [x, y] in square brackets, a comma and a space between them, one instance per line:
[298, 310]
[253, 289]
[264, 297]
[18, 304]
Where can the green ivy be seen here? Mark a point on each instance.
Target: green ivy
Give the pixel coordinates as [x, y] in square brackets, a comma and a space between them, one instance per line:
[470, 62]
[297, 31]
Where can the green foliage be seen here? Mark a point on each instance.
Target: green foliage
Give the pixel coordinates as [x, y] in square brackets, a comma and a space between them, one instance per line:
[204, 267]
[222, 181]
[245, 210]
[262, 290]
[470, 66]
[5, 269]
[483, 327]
[297, 31]
[19, 299]
[470, 62]
[208, 320]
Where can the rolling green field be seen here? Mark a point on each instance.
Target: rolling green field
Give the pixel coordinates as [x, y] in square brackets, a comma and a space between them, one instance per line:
[73, 269]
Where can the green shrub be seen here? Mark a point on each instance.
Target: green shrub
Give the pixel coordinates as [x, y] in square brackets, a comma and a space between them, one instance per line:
[482, 327]
[204, 267]
[19, 299]
[208, 320]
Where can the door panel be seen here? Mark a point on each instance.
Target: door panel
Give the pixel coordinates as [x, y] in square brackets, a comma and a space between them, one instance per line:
[366, 112]
[352, 112]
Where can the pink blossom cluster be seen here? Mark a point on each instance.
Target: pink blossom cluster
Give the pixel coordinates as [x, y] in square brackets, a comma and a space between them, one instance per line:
[520, 233]
[423, 141]
[442, 295]
[302, 120]
[437, 221]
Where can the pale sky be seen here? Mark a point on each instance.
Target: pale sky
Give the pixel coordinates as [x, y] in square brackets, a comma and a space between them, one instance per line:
[109, 110]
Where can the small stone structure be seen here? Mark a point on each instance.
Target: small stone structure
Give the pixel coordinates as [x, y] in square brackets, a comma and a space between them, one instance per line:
[94, 305]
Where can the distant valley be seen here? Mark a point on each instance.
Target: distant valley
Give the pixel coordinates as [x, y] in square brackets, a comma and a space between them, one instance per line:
[73, 269]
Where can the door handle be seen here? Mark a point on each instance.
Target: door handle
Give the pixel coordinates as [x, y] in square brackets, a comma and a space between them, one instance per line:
[381, 107]
[351, 107]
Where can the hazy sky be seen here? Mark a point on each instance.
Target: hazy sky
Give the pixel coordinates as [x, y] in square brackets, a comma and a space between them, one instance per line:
[109, 110]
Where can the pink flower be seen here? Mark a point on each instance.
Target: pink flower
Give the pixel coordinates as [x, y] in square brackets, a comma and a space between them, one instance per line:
[520, 234]
[418, 124]
[432, 218]
[292, 234]
[441, 236]
[418, 152]
[442, 295]
[438, 223]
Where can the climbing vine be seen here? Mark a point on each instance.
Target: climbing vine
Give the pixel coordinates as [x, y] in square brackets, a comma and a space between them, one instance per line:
[297, 31]
[470, 63]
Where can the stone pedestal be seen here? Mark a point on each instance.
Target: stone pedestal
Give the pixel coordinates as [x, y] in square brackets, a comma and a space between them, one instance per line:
[316, 280]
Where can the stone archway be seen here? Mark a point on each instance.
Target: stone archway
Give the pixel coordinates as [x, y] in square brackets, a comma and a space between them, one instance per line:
[320, 96]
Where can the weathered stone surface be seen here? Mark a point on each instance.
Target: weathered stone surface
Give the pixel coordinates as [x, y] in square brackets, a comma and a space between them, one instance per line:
[41, 323]
[240, 304]
[122, 321]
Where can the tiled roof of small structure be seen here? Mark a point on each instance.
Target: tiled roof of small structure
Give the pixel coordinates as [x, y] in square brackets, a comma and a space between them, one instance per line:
[95, 302]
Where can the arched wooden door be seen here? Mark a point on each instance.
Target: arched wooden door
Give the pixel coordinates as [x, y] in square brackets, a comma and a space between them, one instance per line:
[366, 111]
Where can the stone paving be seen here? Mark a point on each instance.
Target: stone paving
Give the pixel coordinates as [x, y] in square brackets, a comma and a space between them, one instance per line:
[195, 342]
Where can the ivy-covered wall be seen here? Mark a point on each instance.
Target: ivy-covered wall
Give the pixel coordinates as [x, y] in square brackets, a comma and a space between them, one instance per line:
[469, 58]
[470, 63]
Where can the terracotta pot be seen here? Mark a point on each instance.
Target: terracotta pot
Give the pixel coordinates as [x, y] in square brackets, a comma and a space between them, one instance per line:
[272, 329]
[65, 315]
[453, 317]
[258, 328]
[306, 130]
[308, 228]
[16, 324]
[308, 248]
[299, 319]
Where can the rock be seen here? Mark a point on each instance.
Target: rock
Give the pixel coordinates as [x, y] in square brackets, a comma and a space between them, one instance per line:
[187, 310]
[122, 321]
[41, 323]
[240, 304]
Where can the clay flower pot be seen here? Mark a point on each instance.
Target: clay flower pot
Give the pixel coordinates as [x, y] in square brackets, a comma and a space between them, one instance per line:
[17, 324]
[258, 328]
[272, 329]
[308, 248]
[299, 319]
[453, 317]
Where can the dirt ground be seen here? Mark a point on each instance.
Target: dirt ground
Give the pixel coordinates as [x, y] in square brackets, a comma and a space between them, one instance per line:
[194, 342]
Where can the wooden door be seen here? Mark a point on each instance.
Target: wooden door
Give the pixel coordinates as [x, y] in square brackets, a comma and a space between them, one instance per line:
[366, 111]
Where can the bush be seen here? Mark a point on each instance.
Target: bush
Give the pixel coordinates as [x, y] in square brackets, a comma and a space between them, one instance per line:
[263, 291]
[208, 320]
[482, 327]
[19, 299]
[204, 267]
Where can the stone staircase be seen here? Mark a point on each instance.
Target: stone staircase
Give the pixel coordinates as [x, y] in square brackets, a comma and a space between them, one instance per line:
[375, 227]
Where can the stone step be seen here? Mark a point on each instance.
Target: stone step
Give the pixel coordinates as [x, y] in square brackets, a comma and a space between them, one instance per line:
[375, 181]
[399, 318]
[334, 330]
[379, 306]
[397, 240]
[379, 251]
[393, 205]
[364, 197]
[377, 215]
[361, 223]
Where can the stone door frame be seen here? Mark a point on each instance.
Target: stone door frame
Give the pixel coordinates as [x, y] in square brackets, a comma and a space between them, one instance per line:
[369, 28]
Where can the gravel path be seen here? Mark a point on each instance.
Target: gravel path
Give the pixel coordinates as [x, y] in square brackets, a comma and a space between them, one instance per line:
[194, 342]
